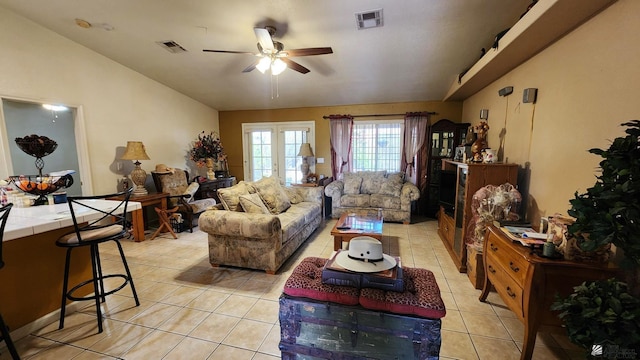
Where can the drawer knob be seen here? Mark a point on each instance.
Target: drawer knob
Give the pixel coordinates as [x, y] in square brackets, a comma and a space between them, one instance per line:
[491, 269]
[493, 247]
[513, 267]
[511, 293]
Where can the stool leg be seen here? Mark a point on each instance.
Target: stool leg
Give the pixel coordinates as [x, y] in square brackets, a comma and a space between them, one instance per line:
[97, 292]
[126, 268]
[65, 286]
[7, 339]
[99, 267]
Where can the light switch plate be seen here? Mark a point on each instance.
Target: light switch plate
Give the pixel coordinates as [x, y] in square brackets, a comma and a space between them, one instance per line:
[320, 160]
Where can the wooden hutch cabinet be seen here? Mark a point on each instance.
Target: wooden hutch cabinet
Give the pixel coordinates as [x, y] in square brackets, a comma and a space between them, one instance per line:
[444, 136]
[454, 218]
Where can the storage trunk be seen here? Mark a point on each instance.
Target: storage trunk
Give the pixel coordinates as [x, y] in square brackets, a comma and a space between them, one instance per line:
[314, 329]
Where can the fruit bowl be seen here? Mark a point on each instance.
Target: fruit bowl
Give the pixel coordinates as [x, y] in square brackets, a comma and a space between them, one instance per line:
[41, 185]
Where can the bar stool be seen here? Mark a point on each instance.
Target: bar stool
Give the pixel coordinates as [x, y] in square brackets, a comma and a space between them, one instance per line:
[4, 330]
[108, 225]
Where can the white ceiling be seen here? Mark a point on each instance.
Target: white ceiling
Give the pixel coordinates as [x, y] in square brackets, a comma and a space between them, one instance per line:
[415, 56]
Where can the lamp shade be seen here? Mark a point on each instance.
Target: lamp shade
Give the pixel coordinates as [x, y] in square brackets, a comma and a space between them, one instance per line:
[135, 151]
[305, 150]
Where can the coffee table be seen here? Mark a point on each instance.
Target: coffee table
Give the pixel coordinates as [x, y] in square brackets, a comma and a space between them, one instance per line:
[367, 223]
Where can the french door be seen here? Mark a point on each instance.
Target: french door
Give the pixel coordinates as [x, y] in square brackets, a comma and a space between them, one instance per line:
[272, 148]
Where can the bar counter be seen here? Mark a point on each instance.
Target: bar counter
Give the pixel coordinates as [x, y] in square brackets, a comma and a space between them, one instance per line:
[31, 280]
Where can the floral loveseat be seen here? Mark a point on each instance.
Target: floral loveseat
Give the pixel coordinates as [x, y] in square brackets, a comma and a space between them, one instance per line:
[373, 189]
[262, 223]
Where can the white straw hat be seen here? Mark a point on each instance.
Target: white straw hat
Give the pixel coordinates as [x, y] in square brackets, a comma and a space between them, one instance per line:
[365, 255]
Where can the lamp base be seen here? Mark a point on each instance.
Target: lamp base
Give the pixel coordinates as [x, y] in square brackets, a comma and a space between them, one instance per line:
[139, 191]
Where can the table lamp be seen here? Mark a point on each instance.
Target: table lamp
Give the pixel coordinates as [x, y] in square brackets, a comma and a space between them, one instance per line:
[135, 151]
[305, 152]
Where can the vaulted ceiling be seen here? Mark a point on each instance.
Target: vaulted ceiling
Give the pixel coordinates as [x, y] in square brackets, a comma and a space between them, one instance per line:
[415, 56]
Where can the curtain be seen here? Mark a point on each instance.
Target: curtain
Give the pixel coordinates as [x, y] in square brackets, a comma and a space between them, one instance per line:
[341, 128]
[415, 130]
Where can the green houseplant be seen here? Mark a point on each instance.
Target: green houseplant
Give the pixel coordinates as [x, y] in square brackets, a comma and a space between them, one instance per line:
[609, 212]
[601, 312]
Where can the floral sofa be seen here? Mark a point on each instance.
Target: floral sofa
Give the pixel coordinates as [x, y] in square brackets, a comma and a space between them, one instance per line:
[259, 224]
[373, 189]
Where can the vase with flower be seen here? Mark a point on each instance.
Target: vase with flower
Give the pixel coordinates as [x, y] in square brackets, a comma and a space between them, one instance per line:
[206, 150]
[481, 141]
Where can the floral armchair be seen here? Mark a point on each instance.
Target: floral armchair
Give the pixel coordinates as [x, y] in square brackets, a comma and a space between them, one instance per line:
[175, 182]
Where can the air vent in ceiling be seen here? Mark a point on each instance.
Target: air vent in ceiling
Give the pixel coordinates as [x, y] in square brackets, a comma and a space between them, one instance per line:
[369, 19]
[171, 46]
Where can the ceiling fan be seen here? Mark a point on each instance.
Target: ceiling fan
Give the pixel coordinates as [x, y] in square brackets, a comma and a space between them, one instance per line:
[272, 54]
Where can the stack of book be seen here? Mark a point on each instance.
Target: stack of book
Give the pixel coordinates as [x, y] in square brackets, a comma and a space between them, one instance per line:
[523, 234]
[334, 274]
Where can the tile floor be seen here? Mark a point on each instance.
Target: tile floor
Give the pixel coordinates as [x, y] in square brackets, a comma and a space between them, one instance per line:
[190, 310]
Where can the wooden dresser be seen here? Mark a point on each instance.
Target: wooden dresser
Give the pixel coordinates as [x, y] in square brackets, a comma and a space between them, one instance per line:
[528, 283]
[209, 188]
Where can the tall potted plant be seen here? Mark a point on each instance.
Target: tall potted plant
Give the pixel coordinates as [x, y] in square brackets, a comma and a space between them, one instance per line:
[608, 213]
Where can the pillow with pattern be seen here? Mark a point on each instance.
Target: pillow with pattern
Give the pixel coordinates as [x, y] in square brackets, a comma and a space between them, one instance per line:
[230, 197]
[252, 203]
[272, 194]
[352, 185]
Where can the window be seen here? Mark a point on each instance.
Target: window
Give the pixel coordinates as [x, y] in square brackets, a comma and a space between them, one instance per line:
[272, 148]
[377, 145]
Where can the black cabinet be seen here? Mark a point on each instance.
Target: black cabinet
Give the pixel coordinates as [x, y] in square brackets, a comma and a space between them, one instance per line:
[444, 136]
[209, 188]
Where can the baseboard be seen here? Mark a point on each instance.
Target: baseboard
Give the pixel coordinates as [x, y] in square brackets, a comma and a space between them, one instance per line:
[43, 321]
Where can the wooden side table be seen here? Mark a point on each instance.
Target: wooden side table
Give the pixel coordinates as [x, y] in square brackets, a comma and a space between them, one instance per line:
[139, 216]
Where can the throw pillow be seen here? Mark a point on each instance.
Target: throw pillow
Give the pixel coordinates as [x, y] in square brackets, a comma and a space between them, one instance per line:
[230, 197]
[252, 203]
[391, 186]
[352, 185]
[191, 190]
[272, 194]
[293, 194]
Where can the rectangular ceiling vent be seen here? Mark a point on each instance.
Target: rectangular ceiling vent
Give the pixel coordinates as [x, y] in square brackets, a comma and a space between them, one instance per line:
[369, 19]
[171, 46]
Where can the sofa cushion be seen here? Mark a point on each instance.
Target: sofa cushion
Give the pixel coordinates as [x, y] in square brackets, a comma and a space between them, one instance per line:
[392, 185]
[361, 200]
[371, 181]
[385, 201]
[252, 203]
[272, 194]
[352, 185]
[306, 281]
[293, 194]
[421, 296]
[292, 222]
[230, 197]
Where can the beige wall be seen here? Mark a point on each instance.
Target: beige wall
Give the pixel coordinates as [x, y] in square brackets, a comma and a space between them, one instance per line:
[588, 84]
[119, 104]
[231, 125]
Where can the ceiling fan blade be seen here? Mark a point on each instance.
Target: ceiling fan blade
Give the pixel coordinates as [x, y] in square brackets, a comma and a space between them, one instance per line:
[250, 67]
[228, 51]
[264, 38]
[309, 51]
[295, 66]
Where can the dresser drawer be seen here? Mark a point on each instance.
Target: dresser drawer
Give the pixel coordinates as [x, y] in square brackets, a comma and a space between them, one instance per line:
[447, 226]
[510, 291]
[512, 262]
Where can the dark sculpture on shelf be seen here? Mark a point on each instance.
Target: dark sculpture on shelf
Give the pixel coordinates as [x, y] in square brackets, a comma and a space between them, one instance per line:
[39, 147]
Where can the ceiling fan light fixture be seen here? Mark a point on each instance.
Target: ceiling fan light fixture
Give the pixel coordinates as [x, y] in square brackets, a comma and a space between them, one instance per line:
[263, 64]
[278, 66]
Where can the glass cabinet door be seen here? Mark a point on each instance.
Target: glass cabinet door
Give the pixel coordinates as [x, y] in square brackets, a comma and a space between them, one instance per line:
[442, 143]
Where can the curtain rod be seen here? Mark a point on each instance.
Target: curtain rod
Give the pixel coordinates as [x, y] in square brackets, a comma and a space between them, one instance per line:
[377, 115]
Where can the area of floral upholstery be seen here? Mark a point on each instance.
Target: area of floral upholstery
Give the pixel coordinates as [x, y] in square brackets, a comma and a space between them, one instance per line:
[250, 238]
[373, 189]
